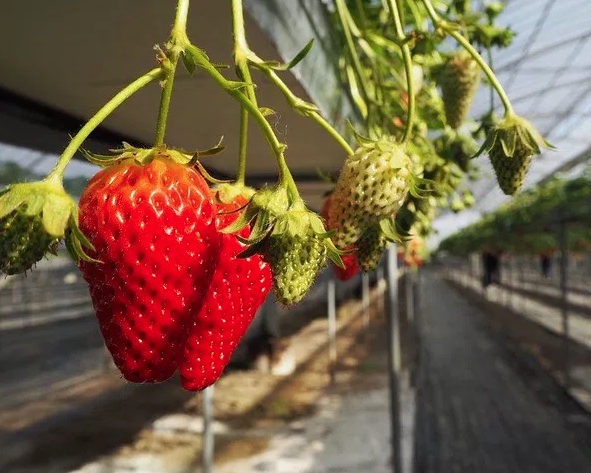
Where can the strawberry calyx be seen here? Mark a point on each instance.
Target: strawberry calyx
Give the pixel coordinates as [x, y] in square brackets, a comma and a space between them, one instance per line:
[34, 218]
[145, 156]
[514, 135]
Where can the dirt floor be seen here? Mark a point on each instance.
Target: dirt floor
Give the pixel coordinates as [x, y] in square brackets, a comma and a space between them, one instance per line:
[250, 406]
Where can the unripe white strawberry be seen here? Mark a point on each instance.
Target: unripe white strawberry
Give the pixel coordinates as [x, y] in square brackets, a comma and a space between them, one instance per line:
[373, 184]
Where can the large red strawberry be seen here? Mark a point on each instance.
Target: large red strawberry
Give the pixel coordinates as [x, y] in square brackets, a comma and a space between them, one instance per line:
[238, 288]
[153, 228]
[351, 268]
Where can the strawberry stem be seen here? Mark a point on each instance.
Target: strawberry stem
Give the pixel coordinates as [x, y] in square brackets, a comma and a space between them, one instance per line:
[439, 23]
[299, 106]
[98, 118]
[235, 91]
[176, 44]
[396, 11]
[244, 75]
[345, 18]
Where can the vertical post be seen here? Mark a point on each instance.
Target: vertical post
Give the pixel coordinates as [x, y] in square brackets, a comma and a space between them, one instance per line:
[365, 299]
[332, 328]
[380, 300]
[208, 433]
[409, 290]
[510, 280]
[392, 315]
[564, 303]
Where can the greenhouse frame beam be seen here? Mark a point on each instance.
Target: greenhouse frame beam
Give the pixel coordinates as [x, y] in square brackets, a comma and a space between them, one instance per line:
[536, 30]
[551, 85]
[542, 51]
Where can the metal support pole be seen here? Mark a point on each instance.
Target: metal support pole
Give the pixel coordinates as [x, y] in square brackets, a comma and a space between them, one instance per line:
[365, 298]
[392, 315]
[564, 304]
[208, 433]
[380, 300]
[332, 328]
[409, 289]
[510, 280]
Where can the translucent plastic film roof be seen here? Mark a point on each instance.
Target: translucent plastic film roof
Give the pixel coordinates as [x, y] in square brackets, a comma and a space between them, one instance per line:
[547, 74]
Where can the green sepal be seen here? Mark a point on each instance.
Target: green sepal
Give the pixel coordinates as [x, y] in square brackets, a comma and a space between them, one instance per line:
[207, 176]
[276, 65]
[389, 230]
[56, 214]
[242, 221]
[227, 192]
[139, 155]
[257, 248]
[53, 208]
[266, 111]
[192, 57]
[511, 133]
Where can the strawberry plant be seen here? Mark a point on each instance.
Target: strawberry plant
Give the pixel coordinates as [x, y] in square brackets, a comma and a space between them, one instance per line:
[177, 270]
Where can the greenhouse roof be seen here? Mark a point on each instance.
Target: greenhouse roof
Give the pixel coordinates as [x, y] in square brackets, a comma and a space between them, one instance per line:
[546, 72]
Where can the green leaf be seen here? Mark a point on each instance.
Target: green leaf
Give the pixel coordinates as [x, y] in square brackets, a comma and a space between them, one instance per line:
[301, 55]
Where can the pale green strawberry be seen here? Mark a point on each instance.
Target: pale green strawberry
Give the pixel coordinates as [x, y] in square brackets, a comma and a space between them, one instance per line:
[34, 218]
[511, 145]
[459, 82]
[295, 259]
[373, 184]
[290, 238]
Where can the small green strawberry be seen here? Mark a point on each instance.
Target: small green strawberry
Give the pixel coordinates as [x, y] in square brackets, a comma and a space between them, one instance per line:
[370, 247]
[373, 184]
[374, 240]
[459, 82]
[511, 145]
[34, 218]
[290, 238]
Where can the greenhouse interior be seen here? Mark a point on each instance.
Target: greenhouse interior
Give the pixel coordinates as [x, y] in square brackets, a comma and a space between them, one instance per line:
[295, 236]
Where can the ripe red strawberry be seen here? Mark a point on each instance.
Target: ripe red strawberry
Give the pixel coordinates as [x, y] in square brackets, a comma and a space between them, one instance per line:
[238, 288]
[349, 260]
[153, 228]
